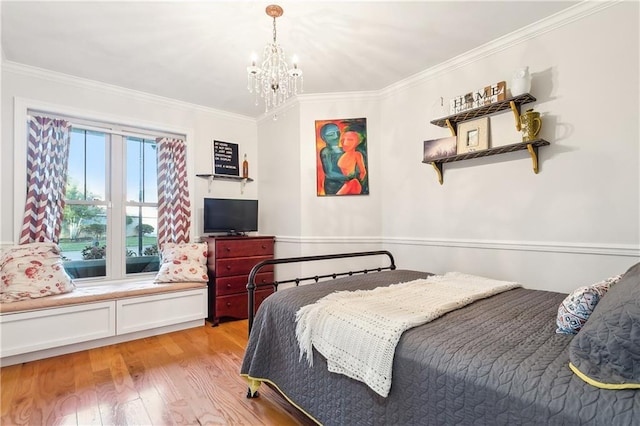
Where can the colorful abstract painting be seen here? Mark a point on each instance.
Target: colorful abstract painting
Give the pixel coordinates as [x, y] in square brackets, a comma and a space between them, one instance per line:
[341, 157]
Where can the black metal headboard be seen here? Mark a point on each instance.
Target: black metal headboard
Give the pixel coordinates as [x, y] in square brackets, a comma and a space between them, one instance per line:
[252, 286]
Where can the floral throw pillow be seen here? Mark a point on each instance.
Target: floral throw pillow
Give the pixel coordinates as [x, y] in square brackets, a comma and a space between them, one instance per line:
[575, 309]
[33, 270]
[194, 252]
[185, 262]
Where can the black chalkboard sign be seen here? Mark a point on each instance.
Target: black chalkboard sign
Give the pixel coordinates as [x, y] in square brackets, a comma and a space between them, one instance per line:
[225, 158]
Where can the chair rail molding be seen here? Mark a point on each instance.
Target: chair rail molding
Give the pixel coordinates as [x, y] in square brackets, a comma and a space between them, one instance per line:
[604, 249]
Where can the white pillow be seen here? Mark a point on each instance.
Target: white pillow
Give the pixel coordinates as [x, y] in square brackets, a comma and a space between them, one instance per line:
[33, 270]
[185, 262]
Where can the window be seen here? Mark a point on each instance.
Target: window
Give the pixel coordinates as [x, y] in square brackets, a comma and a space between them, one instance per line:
[83, 234]
[109, 226]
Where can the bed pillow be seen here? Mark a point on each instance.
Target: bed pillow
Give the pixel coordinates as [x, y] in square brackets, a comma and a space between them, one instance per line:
[186, 262]
[576, 308]
[606, 352]
[30, 271]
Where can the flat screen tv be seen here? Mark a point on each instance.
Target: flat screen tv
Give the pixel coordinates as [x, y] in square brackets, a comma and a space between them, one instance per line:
[232, 216]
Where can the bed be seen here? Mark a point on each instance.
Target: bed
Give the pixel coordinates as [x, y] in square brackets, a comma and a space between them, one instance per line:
[495, 361]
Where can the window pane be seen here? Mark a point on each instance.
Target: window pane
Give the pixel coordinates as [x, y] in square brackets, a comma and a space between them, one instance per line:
[141, 170]
[87, 166]
[75, 170]
[150, 172]
[83, 240]
[96, 166]
[142, 239]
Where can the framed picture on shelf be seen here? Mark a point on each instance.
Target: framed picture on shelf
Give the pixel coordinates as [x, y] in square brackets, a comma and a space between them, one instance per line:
[439, 148]
[473, 135]
[225, 158]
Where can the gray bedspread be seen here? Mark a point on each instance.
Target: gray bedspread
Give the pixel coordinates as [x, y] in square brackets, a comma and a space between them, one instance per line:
[497, 361]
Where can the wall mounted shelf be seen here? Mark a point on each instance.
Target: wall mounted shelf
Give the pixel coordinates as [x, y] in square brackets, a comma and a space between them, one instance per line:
[212, 177]
[531, 146]
[513, 103]
[224, 177]
[452, 121]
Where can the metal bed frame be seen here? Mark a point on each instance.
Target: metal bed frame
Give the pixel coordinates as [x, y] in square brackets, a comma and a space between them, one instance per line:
[252, 286]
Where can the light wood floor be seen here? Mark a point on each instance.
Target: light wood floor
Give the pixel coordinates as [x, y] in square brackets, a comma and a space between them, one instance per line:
[188, 377]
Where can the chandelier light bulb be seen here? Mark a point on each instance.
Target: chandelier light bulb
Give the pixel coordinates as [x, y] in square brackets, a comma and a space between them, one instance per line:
[273, 80]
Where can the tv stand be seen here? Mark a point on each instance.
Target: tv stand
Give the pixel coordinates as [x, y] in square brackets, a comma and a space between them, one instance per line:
[229, 262]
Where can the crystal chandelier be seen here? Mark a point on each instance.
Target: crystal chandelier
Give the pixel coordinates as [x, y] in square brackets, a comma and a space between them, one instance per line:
[273, 80]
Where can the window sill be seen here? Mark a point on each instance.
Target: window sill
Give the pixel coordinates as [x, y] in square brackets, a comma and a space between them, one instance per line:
[96, 268]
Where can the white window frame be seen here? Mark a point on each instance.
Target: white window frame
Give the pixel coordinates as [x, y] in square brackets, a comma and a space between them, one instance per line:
[22, 107]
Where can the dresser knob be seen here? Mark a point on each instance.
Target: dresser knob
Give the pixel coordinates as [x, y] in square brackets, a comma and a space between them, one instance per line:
[228, 249]
[228, 285]
[228, 267]
[264, 247]
[228, 304]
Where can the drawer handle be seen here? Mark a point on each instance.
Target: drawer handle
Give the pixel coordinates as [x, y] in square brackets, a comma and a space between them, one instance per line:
[228, 249]
[228, 304]
[264, 247]
[228, 285]
[228, 267]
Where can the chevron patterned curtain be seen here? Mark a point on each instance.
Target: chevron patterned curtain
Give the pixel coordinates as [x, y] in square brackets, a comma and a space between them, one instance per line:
[47, 158]
[174, 208]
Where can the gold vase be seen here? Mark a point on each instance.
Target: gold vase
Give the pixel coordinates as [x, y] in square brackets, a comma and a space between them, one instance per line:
[531, 123]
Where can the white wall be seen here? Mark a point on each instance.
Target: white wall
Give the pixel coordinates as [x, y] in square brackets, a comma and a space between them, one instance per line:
[27, 87]
[279, 153]
[576, 221]
[304, 223]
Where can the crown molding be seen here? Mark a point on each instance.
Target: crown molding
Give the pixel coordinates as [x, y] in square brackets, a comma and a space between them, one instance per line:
[560, 19]
[84, 83]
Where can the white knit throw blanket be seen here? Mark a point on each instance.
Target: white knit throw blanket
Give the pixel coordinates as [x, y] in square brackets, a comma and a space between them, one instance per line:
[357, 331]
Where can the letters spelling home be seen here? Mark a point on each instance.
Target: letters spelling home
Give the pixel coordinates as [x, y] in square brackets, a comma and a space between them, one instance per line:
[485, 96]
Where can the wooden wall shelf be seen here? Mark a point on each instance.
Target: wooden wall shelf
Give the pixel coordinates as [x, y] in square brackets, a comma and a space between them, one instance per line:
[531, 146]
[225, 177]
[212, 177]
[513, 103]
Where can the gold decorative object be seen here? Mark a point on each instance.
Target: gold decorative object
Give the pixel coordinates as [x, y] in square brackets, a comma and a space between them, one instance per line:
[531, 124]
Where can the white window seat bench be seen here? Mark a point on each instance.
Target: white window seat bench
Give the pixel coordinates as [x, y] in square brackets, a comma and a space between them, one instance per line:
[94, 316]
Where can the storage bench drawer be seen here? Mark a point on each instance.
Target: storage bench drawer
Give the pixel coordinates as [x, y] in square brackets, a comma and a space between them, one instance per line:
[49, 328]
[143, 313]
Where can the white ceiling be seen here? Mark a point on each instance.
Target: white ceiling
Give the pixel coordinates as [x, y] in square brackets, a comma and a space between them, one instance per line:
[198, 51]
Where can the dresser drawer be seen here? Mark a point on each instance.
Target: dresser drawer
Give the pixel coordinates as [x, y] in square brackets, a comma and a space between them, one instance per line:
[241, 247]
[238, 283]
[239, 266]
[235, 306]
